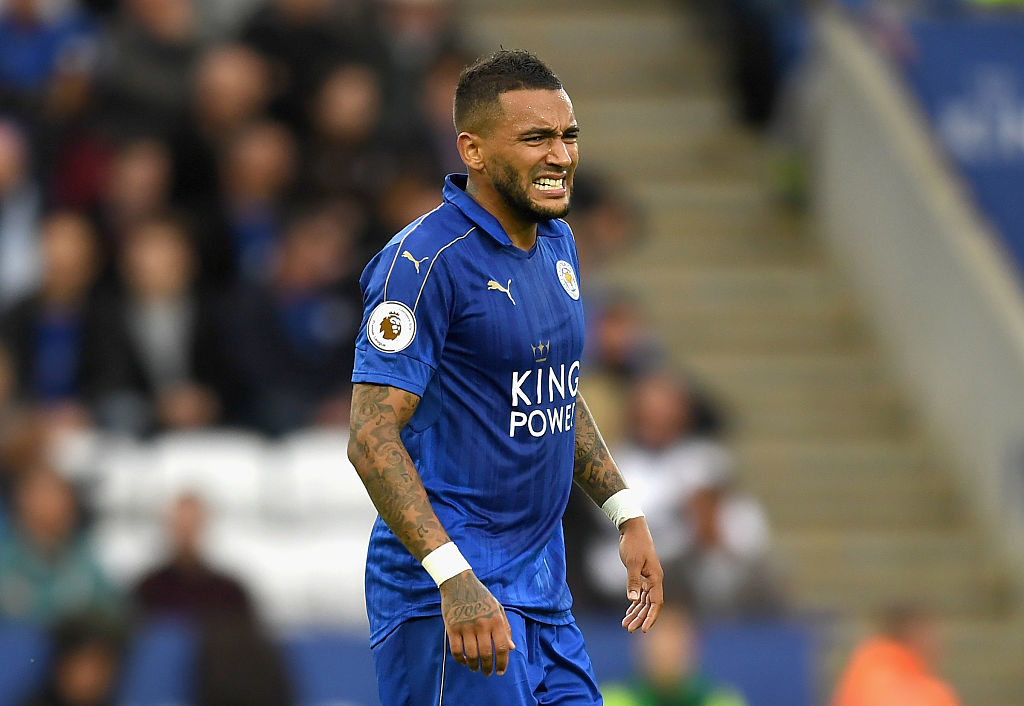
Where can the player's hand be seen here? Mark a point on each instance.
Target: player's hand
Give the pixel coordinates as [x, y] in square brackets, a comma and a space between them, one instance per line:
[478, 631]
[643, 575]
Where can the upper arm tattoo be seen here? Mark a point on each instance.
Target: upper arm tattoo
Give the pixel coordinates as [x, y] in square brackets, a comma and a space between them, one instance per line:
[593, 469]
[379, 412]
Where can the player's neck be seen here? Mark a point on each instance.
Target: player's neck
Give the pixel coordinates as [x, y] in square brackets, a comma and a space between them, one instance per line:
[522, 233]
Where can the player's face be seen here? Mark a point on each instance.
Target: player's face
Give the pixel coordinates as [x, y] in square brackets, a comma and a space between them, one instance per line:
[533, 153]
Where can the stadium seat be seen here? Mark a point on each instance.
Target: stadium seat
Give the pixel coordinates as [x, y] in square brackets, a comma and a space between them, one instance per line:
[24, 655]
[225, 468]
[769, 662]
[269, 561]
[158, 669]
[316, 481]
[126, 548]
[331, 668]
[127, 483]
[75, 455]
[334, 562]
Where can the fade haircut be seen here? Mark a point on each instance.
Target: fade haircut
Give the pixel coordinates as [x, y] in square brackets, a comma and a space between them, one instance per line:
[482, 82]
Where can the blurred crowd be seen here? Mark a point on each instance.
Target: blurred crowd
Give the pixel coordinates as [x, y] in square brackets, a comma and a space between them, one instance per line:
[188, 193]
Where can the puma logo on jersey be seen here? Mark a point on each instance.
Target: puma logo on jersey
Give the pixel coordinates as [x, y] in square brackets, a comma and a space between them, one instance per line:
[408, 256]
[492, 285]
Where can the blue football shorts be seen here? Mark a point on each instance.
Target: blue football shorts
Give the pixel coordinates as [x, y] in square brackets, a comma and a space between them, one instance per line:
[549, 666]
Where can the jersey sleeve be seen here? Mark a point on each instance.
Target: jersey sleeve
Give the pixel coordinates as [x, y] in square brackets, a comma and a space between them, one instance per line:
[406, 315]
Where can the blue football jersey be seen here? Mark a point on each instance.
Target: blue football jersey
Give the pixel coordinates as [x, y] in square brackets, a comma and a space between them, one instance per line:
[490, 337]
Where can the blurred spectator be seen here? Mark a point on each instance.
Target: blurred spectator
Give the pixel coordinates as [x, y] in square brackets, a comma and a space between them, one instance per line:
[224, 18]
[603, 219]
[8, 415]
[235, 663]
[46, 331]
[416, 33]
[667, 674]
[897, 666]
[256, 173]
[185, 585]
[160, 365]
[620, 347]
[84, 665]
[664, 457]
[230, 88]
[19, 213]
[38, 40]
[6, 383]
[409, 195]
[304, 39]
[152, 47]
[47, 569]
[621, 344]
[294, 335]
[135, 186]
[435, 106]
[69, 144]
[725, 570]
[712, 540]
[348, 152]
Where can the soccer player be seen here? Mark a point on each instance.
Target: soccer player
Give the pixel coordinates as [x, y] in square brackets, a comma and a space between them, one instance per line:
[467, 427]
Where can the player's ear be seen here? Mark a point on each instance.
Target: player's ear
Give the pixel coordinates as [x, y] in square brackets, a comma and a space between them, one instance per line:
[471, 150]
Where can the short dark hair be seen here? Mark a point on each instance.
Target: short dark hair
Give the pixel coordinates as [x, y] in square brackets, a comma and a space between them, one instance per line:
[480, 84]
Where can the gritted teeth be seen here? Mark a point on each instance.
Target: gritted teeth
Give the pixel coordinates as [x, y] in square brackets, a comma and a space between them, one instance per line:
[545, 184]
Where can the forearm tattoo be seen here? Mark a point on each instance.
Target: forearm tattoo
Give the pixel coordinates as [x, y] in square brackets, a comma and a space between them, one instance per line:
[376, 450]
[594, 470]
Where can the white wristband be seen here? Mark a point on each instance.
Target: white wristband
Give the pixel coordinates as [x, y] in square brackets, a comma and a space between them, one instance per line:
[445, 562]
[621, 507]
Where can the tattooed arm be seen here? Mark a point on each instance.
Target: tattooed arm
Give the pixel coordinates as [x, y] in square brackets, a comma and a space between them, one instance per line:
[596, 473]
[472, 616]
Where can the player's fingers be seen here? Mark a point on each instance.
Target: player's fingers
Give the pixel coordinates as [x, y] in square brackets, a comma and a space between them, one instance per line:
[632, 613]
[634, 583]
[456, 645]
[472, 652]
[652, 617]
[638, 620]
[486, 653]
[508, 629]
[656, 596]
[640, 616]
[501, 649]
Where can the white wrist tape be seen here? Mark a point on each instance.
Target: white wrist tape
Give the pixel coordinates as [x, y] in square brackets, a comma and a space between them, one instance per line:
[445, 562]
[621, 507]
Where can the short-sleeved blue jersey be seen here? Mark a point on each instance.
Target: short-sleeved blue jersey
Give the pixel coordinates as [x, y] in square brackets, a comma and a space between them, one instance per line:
[490, 337]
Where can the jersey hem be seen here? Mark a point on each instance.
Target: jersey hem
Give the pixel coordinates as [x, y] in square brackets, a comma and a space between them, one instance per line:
[378, 635]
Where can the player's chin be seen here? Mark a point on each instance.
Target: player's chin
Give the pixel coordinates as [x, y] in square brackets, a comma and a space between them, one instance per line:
[551, 208]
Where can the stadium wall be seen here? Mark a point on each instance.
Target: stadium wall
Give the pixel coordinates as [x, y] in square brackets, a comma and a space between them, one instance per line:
[944, 300]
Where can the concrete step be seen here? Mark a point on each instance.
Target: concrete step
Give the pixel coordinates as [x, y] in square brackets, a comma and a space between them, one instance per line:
[850, 466]
[835, 512]
[804, 379]
[754, 332]
[665, 53]
[841, 396]
[694, 236]
[844, 572]
[670, 138]
[814, 506]
[530, 7]
[762, 288]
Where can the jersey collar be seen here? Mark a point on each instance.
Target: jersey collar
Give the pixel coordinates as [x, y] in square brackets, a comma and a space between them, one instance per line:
[455, 194]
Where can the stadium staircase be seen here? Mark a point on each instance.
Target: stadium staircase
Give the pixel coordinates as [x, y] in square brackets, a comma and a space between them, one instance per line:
[863, 505]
